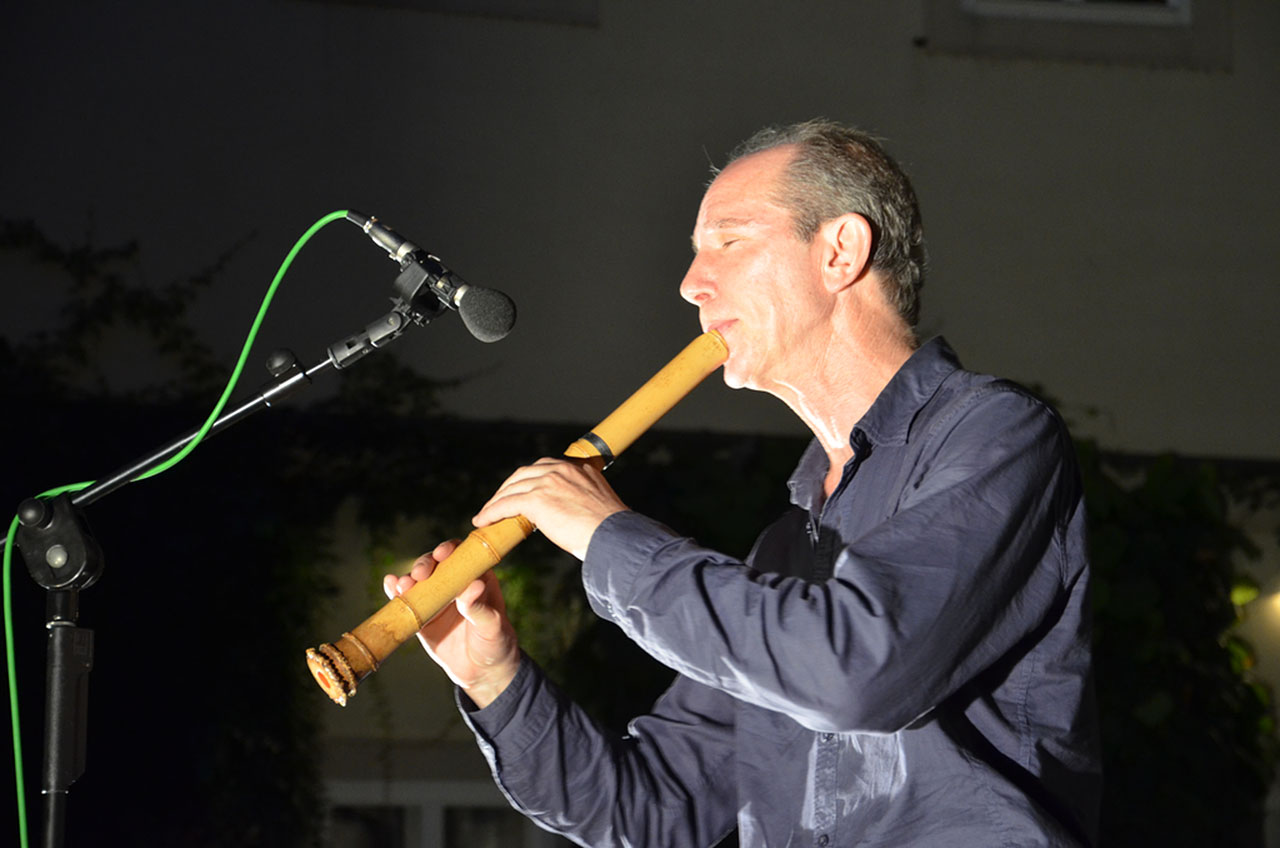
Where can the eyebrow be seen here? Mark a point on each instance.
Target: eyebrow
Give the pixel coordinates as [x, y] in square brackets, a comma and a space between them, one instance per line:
[722, 224]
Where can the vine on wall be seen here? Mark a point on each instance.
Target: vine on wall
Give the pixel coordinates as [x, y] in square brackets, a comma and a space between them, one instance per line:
[215, 572]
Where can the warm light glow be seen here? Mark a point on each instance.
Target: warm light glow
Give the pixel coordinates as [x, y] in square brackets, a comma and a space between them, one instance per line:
[403, 566]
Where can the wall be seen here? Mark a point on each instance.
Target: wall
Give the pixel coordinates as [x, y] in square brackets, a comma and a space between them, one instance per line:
[1104, 231]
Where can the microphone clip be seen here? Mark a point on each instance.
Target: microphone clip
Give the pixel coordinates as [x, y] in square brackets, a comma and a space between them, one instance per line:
[425, 286]
[422, 289]
[375, 335]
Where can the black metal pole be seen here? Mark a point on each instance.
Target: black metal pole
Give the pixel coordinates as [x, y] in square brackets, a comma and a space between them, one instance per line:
[69, 661]
[62, 556]
[291, 384]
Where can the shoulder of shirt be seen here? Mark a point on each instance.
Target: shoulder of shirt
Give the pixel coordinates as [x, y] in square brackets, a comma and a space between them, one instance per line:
[964, 393]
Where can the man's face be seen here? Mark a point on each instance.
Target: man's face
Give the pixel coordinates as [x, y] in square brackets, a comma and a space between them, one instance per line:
[752, 279]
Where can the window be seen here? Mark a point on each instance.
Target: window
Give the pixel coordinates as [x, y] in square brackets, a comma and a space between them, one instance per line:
[1136, 12]
[427, 814]
[579, 12]
[1155, 33]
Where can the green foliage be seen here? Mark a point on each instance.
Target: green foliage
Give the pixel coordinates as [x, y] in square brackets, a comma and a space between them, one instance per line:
[201, 731]
[1188, 738]
[211, 692]
[105, 296]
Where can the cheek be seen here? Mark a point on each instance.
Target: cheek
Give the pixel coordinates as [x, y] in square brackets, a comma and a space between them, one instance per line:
[769, 299]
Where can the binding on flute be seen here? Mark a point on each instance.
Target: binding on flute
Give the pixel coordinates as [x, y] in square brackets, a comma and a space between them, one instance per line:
[339, 667]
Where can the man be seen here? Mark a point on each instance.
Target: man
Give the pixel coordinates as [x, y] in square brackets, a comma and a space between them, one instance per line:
[903, 659]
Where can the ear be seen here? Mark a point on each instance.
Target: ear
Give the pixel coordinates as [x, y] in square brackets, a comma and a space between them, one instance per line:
[846, 250]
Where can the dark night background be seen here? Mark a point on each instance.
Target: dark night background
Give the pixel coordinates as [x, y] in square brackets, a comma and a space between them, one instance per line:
[1101, 225]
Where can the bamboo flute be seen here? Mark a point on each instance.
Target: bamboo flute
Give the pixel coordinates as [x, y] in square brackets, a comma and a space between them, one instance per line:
[339, 667]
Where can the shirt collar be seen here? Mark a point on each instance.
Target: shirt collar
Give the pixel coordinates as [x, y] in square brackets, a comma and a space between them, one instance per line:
[888, 421]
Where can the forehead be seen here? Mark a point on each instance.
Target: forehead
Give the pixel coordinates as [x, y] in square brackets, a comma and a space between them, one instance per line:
[745, 191]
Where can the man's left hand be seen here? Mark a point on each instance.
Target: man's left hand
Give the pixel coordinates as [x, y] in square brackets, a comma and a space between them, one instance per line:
[567, 500]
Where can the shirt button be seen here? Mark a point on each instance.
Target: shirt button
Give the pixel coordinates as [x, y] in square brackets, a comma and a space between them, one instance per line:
[823, 840]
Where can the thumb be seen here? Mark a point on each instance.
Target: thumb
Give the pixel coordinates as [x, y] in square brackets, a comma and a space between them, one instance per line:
[473, 608]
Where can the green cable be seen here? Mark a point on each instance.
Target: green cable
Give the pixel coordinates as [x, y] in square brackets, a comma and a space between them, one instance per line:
[76, 487]
[13, 688]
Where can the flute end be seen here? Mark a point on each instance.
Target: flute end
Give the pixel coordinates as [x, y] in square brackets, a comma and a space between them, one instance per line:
[332, 671]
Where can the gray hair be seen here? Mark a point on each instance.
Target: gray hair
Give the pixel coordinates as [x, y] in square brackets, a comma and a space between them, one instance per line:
[837, 170]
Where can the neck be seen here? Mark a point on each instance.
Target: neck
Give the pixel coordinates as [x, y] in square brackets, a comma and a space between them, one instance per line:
[840, 375]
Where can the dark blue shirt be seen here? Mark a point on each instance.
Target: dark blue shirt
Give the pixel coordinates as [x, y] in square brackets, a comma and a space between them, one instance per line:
[905, 663]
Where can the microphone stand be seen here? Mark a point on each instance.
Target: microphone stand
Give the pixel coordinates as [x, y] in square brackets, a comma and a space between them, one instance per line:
[62, 556]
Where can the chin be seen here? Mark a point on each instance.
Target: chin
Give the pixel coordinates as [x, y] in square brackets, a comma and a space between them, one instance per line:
[733, 379]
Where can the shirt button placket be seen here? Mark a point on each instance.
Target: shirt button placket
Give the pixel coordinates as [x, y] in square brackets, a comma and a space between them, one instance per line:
[824, 786]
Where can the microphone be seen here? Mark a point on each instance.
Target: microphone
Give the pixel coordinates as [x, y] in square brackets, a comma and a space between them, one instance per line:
[488, 314]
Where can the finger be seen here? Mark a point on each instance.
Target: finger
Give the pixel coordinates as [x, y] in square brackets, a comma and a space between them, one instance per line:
[472, 593]
[510, 489]
[389, 585]
[472, 607]
[498, 508]
[493, 591]
[427, 561]
[527, 477]
[521, 474]
[421, 571]
[443, 550]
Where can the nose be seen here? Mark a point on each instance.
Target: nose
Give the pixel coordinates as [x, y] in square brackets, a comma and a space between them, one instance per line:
[696, 287]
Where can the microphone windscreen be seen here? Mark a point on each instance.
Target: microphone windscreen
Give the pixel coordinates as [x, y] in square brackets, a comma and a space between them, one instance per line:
[487, 313]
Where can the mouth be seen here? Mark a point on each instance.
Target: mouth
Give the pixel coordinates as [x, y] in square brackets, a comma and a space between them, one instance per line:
[719, 326]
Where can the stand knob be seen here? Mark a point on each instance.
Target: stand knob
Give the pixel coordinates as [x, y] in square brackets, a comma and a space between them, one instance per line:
[34, 512]
[55, 541]
[281, 362]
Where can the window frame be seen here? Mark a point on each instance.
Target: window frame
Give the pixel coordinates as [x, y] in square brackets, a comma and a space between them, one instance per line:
[1176, 34]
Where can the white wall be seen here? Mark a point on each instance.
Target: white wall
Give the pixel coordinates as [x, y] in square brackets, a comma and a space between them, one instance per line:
[1105, 231]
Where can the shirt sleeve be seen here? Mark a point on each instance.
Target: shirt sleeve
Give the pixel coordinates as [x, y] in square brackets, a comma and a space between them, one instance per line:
[666, 782]
[968, 563]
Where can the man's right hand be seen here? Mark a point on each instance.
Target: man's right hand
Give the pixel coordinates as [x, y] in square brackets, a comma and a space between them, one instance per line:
[471, 639]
